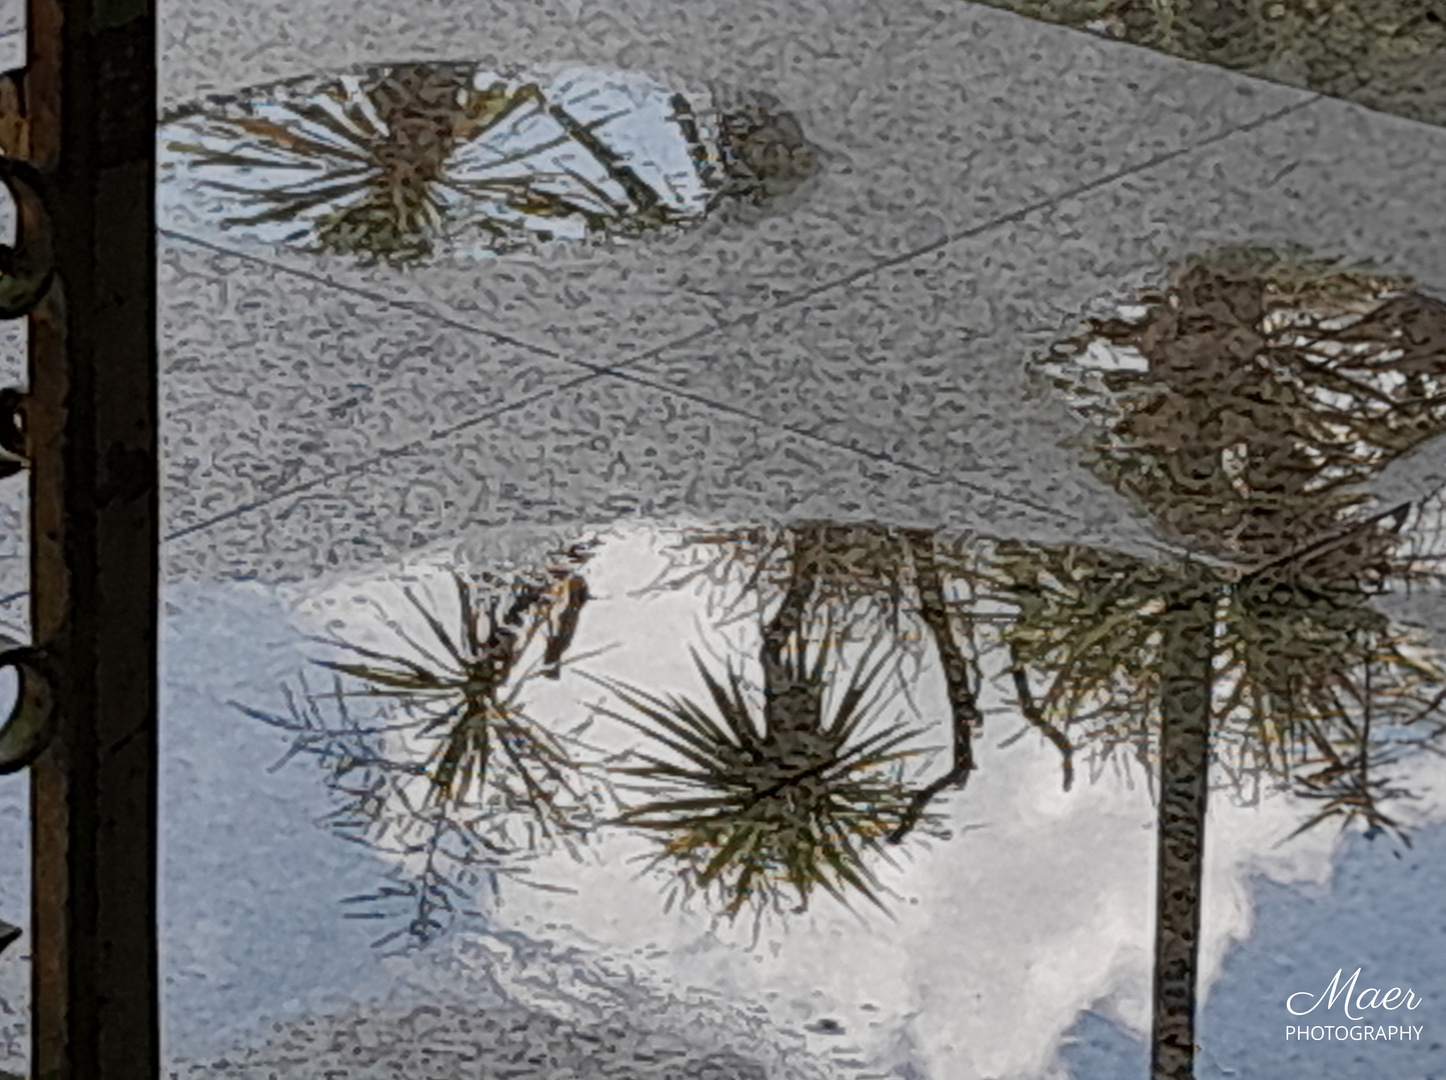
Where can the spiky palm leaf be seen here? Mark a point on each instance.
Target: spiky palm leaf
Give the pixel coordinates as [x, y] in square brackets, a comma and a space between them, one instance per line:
[462, 690]
[762, 802]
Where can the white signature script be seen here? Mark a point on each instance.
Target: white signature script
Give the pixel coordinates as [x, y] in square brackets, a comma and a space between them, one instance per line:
[1394, 998]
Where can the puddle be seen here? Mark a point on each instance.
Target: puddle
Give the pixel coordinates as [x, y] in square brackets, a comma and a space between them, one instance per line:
[407, 162]
[783, 754]
[747, 702]
[744, 762]
[1246, 407]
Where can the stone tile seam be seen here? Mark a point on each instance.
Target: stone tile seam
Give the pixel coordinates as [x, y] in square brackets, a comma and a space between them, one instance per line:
[1019, 214]
[620, 371]
[411, 307]
[360, 467]
[804, 434]
[427, 312]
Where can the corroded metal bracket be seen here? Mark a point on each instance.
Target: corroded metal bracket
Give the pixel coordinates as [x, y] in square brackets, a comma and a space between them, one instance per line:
[27, 273]
[77, 155]
[27, 268]
[28, 729]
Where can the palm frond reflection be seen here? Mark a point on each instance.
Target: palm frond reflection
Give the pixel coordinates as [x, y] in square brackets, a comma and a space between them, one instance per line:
[914, 588]
[462, 689]
[767, 793]
[763, 798]
[401, 162]
[451, 772]
[1246, 408]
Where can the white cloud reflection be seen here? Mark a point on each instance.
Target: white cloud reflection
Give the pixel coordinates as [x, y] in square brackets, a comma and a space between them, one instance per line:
[1040, 906]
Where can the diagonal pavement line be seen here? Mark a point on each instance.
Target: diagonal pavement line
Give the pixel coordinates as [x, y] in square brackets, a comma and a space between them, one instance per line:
[412, 307]
[937, 475]
[596, 371]
[413, 447]
[1016, 216]
[840, 444]
[425, 311]
[972, 232]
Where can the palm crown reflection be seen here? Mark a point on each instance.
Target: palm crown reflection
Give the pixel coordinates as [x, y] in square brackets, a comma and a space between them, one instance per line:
[1244, 408]
[401, 162]
[763, 795]
[1255, 399]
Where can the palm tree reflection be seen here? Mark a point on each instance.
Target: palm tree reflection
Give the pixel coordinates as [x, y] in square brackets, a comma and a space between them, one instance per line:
[399, 162]
[1244, 408]
[768, 795]
[450, 769]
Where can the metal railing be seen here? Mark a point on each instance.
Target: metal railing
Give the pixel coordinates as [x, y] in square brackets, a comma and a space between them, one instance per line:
[77, 133]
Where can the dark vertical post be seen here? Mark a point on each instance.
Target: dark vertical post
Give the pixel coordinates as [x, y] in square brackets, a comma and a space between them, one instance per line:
[89, 104]
[1186, 660]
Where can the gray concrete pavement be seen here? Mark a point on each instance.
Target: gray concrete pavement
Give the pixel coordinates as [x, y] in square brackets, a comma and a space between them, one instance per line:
[987, 180]
[911, 364]
[856, 352]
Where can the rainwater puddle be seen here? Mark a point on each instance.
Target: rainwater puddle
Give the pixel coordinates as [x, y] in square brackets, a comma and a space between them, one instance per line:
[405, 162]
[756, 761]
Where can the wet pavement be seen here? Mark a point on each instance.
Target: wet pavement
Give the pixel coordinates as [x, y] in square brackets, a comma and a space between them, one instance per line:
[857, 352]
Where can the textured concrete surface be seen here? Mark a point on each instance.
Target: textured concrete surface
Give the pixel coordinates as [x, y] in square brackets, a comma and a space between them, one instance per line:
[986, 182]
[856, 352]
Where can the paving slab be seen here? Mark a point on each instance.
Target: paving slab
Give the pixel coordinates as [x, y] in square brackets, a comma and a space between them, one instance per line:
[925, 361]
[1337, 178]
[930, 121]
[271, 379]
[12, 35]
[922, 362]
[605, 452]
[941, 138]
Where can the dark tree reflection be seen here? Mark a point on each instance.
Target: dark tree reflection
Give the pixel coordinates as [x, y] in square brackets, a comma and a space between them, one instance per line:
[401, 162]
[431, 749]
[1246, 408]
[764, 795]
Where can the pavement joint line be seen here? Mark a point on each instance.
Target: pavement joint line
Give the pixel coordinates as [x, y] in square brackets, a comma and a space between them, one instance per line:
[841, 444]
[413, 447]
[972, 232]
[937, 475]
[1015, 216]
[417, 445]
[426, 311]
[413, 307]
[620, 371]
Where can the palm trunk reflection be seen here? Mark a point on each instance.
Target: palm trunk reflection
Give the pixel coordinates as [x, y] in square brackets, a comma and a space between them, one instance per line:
[1244, 408]
[766, 797]
[1262, 393]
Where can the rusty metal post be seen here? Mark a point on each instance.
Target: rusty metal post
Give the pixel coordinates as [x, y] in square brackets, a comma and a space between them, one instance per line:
[83, 117]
